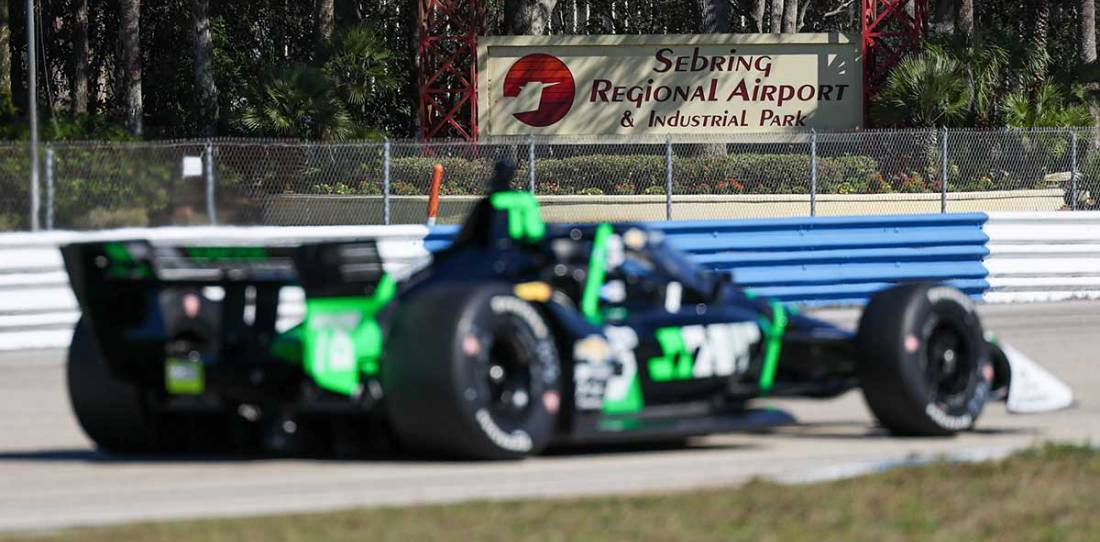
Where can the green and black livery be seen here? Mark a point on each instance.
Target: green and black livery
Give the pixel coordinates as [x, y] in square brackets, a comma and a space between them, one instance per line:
[518, 336]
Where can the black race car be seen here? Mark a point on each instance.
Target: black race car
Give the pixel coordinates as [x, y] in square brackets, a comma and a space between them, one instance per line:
[518, 336]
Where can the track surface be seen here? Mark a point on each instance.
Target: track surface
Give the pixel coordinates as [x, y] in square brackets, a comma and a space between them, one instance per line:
[51, 477]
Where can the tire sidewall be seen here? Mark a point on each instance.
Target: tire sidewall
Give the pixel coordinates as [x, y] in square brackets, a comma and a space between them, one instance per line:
[490, 314]
[931, 307]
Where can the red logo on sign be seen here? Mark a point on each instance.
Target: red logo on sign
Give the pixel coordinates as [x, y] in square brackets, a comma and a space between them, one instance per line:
[547, 76]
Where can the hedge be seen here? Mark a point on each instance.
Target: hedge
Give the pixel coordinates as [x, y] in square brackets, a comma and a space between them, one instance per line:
[630, 175]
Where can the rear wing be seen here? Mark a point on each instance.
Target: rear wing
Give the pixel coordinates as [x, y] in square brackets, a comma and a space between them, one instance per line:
[131, 292]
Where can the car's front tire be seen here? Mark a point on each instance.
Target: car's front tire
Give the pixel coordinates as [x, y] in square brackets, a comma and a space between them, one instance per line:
[924, 364]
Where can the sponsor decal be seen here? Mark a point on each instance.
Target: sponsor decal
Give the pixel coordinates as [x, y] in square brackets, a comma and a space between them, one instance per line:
[516, 441]
[605, 372]
[703, 351]
[184, 376]
[544, 80]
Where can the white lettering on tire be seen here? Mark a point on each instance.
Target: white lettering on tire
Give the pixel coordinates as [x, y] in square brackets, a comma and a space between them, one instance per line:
[516, 441]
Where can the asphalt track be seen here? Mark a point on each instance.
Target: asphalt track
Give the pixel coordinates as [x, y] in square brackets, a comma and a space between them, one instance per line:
[50, 476]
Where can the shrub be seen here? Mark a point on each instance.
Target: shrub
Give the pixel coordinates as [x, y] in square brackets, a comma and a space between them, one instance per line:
[634, 174]
[100, 218]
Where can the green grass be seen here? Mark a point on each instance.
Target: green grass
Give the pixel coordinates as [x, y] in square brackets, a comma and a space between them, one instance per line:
[1052, 493]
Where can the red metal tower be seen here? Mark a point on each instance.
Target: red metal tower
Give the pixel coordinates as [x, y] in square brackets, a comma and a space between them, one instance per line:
[447, 52]
[890, 29]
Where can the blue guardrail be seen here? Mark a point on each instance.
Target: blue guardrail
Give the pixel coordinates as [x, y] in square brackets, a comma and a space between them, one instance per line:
[828, 260]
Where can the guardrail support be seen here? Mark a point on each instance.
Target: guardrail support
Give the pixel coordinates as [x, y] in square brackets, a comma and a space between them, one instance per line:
[1073, 171]
[386, 182]
[943, 172]
[49, 187]
[813, 172]
[208, 174]
[668, 178]
[531, 162]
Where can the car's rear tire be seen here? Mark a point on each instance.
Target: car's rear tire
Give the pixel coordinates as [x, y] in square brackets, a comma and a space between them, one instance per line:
[111, 411]
[924, 364]
[471, 371]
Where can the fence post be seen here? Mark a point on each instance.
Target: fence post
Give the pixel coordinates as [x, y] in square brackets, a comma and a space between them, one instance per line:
[531, 162]
[668, 177]
[386, 182]
[208, 174]
[49, 186]
[943, 173]
[1073, 171]
[813, 172]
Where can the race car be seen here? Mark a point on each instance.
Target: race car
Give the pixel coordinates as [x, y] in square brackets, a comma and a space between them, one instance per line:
[519, 336]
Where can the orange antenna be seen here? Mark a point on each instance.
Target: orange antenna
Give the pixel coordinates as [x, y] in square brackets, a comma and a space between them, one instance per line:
[433, 197]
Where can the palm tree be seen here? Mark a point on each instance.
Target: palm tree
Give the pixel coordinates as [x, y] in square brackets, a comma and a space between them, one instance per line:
[359, 65]
[1048, 109]
[927, 90]
[299, 101]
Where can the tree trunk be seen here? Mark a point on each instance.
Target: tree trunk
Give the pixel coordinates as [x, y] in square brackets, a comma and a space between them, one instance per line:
[943, 16]
[966, 19]
[527, 17]
[777, 16]
[80, 57]
[326, 20]
[716, 16]
[130, 35]
[582, 16]
[1086, 29]
[1037, 41]
[790, 16]
[5, 57]
[204, 68]
[758, 14]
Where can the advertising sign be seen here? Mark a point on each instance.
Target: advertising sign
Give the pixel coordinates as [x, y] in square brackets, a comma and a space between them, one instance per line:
[669, 84]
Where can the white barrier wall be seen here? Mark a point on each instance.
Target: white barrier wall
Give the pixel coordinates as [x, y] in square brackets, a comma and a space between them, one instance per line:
[38, 309]
[1032, 257]
[1043, 256]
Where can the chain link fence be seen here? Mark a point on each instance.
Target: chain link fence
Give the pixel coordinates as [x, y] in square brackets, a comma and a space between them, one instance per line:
[248, 182]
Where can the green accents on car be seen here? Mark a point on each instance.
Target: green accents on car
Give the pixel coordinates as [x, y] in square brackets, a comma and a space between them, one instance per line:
[597, 270]
[122, 263]
[287, 346]
[628, 404]
[343, 340]
[676, 360]
[217, 254]
[774, 337]
[524, 219]
[184, 376]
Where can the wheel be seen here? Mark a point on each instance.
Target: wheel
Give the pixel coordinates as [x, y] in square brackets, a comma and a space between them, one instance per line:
[471, 371]
[924, 364]
[111, 411]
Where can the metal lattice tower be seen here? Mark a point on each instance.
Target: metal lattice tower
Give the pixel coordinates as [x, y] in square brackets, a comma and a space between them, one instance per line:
[447, 53]
[890, 30]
